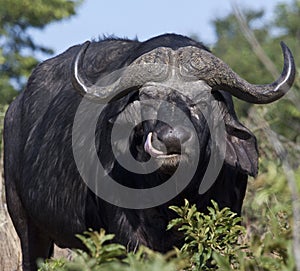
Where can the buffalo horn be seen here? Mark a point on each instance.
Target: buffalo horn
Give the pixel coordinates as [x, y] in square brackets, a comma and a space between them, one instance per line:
[221, 76]
[95, 92]
[118, 83]
[201, 64]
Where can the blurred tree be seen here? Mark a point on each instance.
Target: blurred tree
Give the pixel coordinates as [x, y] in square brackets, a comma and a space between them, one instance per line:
[234, 46]
[17, 17]
[234, 49]
[287, 18]
[250, 45]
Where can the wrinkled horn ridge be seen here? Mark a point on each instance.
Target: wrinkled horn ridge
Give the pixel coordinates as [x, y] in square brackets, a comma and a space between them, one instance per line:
[226, 79]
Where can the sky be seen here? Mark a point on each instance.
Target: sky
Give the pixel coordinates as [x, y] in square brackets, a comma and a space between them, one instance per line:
[142, 19]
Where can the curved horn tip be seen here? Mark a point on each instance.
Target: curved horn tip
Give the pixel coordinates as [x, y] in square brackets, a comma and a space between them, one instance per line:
[83, 48]
[284, 46]
[286, 51]
[76, 80]
[289, 62]
[86, 44]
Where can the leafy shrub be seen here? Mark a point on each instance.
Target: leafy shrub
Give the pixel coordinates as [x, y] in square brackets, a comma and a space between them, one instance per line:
[208, 237]
[205, 237]
[106, 256]
[213, 241]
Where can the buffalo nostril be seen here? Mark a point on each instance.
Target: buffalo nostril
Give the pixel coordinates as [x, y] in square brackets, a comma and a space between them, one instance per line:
[182, 133]
[173, 138]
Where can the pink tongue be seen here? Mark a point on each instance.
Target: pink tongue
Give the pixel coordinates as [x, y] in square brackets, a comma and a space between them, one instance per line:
[150, 149]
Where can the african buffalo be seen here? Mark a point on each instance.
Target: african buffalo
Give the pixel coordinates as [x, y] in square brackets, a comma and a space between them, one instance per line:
[175, 97]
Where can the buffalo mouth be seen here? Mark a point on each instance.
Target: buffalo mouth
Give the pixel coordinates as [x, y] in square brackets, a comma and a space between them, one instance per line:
[168, 161]
[155, 153]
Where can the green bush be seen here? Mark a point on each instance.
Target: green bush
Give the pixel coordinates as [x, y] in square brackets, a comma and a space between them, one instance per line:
[106, 256]
[208, 237]
[213, 241]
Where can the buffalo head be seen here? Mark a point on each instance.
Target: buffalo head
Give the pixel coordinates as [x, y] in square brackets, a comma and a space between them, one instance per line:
[179, 100]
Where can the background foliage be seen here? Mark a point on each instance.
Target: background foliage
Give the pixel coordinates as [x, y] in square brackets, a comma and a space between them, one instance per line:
[17, 48]
[269, 237]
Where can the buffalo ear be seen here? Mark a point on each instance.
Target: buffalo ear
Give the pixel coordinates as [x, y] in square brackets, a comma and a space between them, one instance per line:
[241, 149]
[241, 145]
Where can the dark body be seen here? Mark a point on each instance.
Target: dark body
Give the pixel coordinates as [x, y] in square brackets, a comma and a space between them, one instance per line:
[46, 196]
